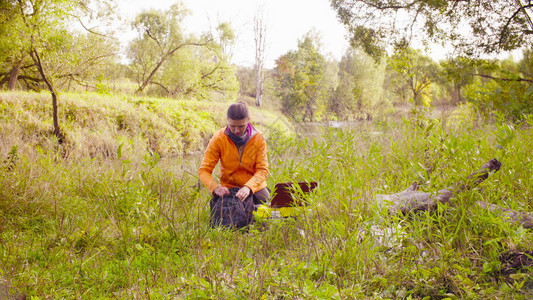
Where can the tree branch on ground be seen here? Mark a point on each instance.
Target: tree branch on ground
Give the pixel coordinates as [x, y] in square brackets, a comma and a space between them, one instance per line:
[412, 201]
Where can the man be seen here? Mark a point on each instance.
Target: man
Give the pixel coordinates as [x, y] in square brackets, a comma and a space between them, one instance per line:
[241, 150]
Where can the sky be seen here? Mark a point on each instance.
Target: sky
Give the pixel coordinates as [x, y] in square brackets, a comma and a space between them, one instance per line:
[286, 22]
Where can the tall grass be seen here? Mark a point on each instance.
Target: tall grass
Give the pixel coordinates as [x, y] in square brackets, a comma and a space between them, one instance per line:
[137, 226]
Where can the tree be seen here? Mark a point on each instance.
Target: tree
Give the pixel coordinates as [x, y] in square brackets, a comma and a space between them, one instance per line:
[301, 78]
[525, 66]
[161, 56]
[260, 43]
[77, 55]
[471, 27]
[247, 83]
[43, 26]
[360, 85]
[457, 71]
[502, 87]
[160, 30]
[41, 35]
[226, 40]
[13, 49]
[418, 71]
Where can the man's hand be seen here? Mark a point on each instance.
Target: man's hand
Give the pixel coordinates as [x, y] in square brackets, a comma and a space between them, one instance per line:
[221, 191]
[243, 193]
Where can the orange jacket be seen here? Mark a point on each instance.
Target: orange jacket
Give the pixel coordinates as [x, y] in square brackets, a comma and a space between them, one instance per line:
[248, 169]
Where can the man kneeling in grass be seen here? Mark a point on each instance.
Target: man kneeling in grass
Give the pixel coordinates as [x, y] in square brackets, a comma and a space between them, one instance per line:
[242, 152]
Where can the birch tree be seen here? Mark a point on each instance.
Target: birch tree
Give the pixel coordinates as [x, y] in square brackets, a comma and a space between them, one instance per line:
[260, 45]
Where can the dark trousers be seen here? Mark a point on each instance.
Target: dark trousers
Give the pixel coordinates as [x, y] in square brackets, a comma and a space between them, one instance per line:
[262, 196]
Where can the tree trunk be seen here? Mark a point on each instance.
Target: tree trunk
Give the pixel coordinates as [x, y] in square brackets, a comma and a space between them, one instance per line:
[14, 74]
[151, 75]
[57, 130]
[258, 90]
[310, 112]
[260, 43]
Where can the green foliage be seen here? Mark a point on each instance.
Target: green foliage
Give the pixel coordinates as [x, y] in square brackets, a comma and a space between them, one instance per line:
[525, 66]
[360, 86]
[68, 56]
[246, 78]
[192, 73]
[464, 116]
[418, 73]
[180, 65]
[505, 90]
[162, 27]
[302, 82]
[11, 29]
[510, 99]
[226, 39]
[458, 72]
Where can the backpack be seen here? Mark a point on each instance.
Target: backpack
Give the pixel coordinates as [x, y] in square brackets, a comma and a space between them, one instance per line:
[228, 211]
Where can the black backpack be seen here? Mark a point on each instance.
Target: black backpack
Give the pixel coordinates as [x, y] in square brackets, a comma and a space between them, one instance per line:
[230, 212]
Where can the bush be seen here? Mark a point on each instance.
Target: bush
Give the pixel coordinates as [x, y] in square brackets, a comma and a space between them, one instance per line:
[511, 99]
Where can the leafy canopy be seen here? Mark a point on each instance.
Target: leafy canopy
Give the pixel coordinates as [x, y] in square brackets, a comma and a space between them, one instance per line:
[471, 27]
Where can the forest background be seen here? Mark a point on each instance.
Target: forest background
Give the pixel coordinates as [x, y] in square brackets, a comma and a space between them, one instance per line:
[99, 156]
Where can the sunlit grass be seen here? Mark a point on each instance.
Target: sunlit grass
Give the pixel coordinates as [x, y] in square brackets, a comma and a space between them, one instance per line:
[136, 226]
[95, 125]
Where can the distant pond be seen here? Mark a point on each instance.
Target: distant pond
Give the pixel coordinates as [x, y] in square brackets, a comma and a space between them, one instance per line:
[317, 128]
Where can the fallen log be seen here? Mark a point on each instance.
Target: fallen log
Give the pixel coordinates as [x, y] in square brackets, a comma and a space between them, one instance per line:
[509, 215]
[411, 200]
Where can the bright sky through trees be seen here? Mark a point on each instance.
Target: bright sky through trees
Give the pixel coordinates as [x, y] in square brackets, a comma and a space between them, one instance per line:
[287, 21]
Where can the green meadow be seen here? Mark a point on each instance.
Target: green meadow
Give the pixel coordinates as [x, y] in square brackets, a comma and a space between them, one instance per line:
[117, 212]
